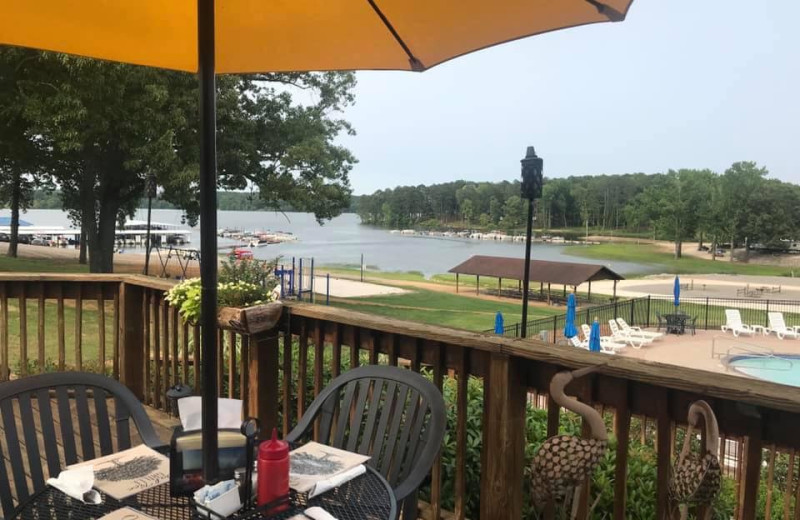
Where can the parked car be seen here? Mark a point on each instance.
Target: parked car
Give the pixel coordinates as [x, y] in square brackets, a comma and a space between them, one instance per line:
[4, 237]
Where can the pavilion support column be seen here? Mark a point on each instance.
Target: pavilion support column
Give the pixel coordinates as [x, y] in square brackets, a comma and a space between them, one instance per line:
[615, 290]
[589, 296]
[549, 293]
[499, 287]
[477, 284]
[541, 290]
[456, 282]
[565, 290]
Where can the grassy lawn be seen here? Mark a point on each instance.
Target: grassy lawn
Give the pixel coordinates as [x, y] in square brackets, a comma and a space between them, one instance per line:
[449, 310]
[649, 254]
[40, 265]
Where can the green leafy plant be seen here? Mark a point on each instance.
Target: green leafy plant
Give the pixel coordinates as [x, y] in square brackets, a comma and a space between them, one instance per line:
[242, 283]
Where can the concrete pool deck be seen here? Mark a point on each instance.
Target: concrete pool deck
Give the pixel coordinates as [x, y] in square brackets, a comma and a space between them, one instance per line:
[707, 349]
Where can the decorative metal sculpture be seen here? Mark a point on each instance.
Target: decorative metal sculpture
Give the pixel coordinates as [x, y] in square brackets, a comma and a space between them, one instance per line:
[563, 461]
[696, 477]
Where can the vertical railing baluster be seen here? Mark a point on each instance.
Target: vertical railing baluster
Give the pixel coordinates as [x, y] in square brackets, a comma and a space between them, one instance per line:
[231, 364]
[462, 374]
[155, 304]
[287, 380]
[302, 362]
[40, 319]
[4, 370]
[165, 346]
[147, 316]
[101, 329]
[23, 331]
[436, 471]
[622, 425]
[185, 352]
[116, 320]
[175, 328]
[336, 357]
[78, 327]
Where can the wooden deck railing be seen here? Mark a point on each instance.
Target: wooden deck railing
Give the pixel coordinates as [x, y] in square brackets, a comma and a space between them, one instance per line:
[121, 325]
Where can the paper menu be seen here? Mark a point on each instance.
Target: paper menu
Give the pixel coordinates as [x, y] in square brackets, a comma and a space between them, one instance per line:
[128, 472]
[126, 513]
[314, 462]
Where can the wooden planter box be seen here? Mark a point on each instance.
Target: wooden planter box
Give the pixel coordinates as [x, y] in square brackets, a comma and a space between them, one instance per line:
[250, 320]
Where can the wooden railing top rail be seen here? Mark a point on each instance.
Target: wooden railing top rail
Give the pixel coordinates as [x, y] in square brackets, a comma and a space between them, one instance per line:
[724, 386]
[135, 279]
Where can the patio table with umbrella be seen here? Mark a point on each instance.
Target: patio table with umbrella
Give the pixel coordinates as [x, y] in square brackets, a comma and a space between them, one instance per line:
[248, 36]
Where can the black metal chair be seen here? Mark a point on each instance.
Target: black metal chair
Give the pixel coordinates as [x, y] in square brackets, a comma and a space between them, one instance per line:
[394, 415]
[661, 321]
[692, 323]
[42, 410]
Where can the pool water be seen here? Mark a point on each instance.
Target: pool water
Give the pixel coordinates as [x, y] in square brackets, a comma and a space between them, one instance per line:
[782, 368]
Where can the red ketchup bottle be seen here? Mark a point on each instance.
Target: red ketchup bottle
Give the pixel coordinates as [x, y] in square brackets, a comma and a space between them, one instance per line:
[273, 470]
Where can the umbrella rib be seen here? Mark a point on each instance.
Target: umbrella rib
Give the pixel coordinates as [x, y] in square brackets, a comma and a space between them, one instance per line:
[416, 65]
[609, 12]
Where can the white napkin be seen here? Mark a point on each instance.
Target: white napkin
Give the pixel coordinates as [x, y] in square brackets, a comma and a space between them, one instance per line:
[77, 483]
[222, 498]
[326, 485]
[229, 413]
[317, 513]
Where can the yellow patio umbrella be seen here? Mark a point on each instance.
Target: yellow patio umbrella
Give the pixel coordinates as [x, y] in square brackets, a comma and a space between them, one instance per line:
[239, 36]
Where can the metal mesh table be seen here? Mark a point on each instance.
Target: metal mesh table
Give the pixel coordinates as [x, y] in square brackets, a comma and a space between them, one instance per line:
[367, 497]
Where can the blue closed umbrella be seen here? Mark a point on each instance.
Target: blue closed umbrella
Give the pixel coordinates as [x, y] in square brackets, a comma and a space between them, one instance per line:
[570, 330]
[498, 323]
[676, 290]
[594, 337]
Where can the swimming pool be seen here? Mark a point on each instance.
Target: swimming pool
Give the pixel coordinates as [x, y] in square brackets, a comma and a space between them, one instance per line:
[780, 368]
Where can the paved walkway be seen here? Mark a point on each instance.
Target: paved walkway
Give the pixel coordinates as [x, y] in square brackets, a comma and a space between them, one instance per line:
[707, 348]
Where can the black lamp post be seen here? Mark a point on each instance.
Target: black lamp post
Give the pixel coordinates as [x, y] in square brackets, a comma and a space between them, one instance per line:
[532, 180]
[151, 188]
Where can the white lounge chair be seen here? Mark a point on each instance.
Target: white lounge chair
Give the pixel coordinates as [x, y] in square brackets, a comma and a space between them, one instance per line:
[607, 345]
[638, 331]
[733, 323]
[619, 336]
[778, 326]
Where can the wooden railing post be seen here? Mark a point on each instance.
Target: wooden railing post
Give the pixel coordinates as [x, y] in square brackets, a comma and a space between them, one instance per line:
[502, 453]
[262, 384]
[131, 338]
[751, 469]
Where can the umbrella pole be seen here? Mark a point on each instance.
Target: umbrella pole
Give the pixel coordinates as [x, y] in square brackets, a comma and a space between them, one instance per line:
[208, 233]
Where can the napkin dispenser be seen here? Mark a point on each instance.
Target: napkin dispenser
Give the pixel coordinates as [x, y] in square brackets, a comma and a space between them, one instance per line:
[186, 458]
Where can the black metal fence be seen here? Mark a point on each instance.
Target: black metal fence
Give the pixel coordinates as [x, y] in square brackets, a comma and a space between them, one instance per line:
[709, 313]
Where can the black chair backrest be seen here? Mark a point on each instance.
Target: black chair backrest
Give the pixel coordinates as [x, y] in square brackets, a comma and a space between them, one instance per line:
[394, 415]
[50, 421]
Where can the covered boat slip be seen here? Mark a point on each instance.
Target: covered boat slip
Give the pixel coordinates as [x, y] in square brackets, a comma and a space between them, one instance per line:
[566, 274]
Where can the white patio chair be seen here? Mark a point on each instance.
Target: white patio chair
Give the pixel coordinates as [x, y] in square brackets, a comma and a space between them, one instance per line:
[778, 326]
[621, 337]
[733, 323]
[576, 342]
[607, 345]
[638, 331]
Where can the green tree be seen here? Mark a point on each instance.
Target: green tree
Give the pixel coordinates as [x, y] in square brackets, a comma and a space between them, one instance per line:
[513, 213]
[738, 201]
[109, 124]
[495, 210]
[21, 151]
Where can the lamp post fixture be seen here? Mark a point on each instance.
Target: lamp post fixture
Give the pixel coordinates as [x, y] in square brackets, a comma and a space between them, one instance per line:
[532, 180]
[151, 189]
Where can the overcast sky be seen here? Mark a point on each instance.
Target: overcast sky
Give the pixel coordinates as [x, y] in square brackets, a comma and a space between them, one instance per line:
[680, 83]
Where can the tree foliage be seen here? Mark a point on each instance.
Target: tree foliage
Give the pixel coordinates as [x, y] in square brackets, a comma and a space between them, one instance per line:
[741, 205]
[107, 125]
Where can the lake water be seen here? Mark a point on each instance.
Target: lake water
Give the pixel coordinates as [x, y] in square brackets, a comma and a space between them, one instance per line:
[343, 240]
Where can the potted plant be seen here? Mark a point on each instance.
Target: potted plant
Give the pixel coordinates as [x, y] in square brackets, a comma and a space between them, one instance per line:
[247, 296]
